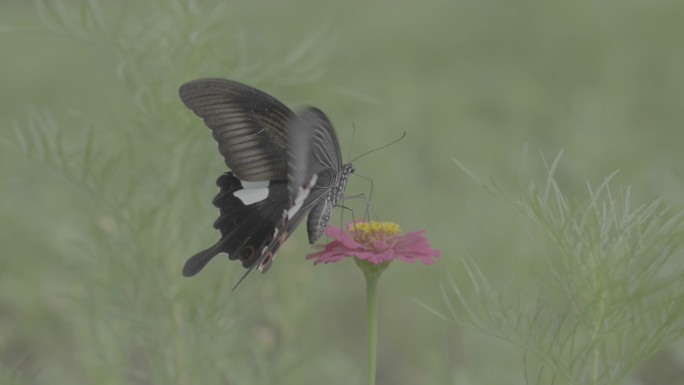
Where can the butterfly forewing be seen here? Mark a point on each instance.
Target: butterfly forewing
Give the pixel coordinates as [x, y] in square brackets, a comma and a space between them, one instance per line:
[250, 126]
[312, 149]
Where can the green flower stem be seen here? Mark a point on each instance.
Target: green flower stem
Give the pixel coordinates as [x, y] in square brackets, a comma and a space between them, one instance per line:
[372, 273]
[372, 314]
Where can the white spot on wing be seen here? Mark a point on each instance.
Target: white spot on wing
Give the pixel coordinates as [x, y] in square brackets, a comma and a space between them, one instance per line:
[301, 196]
[246, 184]
[252, 192]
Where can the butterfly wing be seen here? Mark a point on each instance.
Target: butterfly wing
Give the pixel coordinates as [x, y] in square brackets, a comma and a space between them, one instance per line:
[283, 231]
[281, 165]
[313, 149]
[286, 227]
[246, 226]
[250, 126]
[314, 162]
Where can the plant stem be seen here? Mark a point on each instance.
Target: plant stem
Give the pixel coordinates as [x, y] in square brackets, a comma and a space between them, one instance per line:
[372, 314]
[372, 273]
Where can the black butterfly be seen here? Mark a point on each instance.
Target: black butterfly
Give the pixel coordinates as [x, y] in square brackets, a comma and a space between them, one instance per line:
[282, 166]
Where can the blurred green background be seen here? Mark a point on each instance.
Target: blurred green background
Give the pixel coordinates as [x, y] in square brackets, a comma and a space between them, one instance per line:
[90, 285]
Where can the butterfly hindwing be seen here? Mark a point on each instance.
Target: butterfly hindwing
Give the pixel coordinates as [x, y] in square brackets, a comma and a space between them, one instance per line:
[287, 227]
[289, 222]
[245, 228]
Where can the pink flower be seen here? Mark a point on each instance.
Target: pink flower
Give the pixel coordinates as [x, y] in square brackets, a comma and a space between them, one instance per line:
[375, 242]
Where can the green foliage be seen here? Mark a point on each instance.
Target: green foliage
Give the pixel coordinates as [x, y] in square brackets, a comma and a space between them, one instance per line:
[611, 293]
[106, 181]
[137, 320]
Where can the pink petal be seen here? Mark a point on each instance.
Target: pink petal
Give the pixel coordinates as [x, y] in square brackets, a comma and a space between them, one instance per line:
[410, 247]
[405, 258]
[367, 255]
[339, 235]
[415, 242]
[381, 257]
[326, 257]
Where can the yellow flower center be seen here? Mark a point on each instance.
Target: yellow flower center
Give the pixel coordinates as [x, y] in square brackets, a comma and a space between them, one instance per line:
[372, 231]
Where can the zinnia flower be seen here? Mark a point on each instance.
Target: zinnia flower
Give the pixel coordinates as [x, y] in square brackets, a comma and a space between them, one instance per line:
[374, 245]
[375, 242]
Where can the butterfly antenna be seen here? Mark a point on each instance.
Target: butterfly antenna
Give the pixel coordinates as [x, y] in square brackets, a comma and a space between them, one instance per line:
[342, 206]
[351, 143]
[380, 148]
